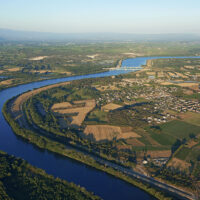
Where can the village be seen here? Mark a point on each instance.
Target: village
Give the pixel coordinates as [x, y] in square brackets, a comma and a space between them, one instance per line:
[165, 100]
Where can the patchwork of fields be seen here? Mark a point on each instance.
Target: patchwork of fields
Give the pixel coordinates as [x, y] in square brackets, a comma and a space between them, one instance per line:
[140, 120]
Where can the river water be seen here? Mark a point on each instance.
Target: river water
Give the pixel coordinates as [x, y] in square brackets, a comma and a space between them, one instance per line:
[102, 184]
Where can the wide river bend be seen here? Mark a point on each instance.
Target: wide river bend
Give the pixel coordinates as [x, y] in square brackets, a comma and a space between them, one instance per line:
[102, 184]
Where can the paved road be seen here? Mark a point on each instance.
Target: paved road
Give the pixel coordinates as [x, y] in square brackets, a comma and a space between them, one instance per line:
[181, 194]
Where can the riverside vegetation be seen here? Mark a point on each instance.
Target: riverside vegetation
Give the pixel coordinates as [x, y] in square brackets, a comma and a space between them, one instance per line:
[51, 144]
[50, 129]
[22, 62]
[140, 105]
[21, 181]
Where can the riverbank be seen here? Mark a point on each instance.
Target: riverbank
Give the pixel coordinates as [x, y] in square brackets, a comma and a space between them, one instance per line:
[20, 180]
[44, 78]
[47, 143]
[38, 138]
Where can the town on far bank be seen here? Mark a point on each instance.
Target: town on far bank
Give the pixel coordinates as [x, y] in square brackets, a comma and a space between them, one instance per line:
[148, 120]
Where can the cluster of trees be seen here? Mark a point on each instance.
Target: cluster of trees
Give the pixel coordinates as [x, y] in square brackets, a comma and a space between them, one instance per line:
[69, 58]
[175, 176]
[21, 181]
[55, 144]
[49, 126]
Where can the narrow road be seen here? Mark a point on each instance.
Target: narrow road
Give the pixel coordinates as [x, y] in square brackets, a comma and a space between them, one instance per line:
[181, 194]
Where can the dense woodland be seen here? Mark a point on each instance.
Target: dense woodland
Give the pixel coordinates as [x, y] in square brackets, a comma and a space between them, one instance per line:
[21, 181]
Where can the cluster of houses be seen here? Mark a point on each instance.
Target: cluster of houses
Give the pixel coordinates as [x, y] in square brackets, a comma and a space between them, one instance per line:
[162, 119]
[172, 103]
[156, 161]
[162, 97]
[160, 161]
[126, 93]
[183, 105]
[179, 105]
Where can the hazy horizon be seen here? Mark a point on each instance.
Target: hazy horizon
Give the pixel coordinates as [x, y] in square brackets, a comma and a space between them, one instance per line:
[90, 16]
[51, 32]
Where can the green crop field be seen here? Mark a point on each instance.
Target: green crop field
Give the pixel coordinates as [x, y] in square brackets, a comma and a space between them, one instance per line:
[97, 116]
[192, 118]
[182, 153]
[171, 131]
[163, 139]
[179, 129]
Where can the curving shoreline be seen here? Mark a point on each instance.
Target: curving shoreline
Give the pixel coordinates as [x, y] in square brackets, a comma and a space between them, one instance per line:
[79, 77]
[123, 173]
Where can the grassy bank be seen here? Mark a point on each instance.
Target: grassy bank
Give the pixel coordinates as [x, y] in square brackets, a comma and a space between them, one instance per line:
[53, 146]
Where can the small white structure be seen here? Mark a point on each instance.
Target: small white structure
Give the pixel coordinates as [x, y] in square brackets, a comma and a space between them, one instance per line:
[144, 162]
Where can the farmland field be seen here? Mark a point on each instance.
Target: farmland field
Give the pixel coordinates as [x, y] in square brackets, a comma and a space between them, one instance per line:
[182, 153]
[174, 130]
[106, 132]
[80, 111]
[192, 118]
[133, 119]
[179, 129]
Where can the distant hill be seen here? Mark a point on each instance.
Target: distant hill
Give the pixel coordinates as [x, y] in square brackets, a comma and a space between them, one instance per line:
[14, 35]
[2, 39]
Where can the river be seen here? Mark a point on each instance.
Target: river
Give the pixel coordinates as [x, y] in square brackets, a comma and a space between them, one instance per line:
[102, 184]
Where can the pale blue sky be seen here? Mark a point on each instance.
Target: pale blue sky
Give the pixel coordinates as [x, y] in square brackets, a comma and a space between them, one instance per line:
[123, 16]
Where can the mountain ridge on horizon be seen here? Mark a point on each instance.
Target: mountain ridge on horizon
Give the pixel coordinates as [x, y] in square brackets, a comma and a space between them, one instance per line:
[18, 35]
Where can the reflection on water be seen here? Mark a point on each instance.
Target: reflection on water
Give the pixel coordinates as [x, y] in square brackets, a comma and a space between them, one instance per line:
[99, 182]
